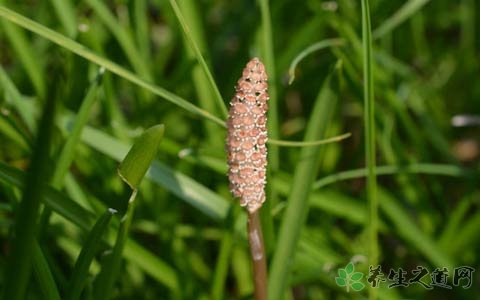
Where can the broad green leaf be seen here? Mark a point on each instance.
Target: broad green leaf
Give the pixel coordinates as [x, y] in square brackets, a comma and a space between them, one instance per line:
[134, 166]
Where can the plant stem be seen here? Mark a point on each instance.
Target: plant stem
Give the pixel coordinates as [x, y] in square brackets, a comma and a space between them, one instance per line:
[257, 249]
[369, 119]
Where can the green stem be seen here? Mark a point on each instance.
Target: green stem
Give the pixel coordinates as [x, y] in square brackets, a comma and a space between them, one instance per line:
[111, 269]
[369, 124]
[269, 59]
[198, 54]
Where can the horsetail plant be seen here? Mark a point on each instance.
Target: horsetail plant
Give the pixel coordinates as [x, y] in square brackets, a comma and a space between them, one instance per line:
[247, 159]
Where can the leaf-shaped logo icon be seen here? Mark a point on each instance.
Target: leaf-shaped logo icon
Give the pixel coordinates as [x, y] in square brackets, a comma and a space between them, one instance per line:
[356, 276]
[348, 278]
[349, 268]
[340, 281]
[357, 286]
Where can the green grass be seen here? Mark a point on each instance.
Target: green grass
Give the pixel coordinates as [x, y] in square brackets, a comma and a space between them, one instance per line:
[370, 143]
[364, 163]
[27, 210]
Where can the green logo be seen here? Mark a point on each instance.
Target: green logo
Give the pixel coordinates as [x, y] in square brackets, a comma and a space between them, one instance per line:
[348, 278]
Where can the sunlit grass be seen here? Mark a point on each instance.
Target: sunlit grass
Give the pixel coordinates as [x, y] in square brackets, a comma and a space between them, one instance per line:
[364, 165]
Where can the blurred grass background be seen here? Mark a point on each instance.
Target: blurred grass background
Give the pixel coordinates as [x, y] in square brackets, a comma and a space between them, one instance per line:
[187, 238]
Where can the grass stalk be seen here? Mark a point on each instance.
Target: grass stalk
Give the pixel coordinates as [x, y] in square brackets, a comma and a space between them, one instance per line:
[269, 60]
[86, 53]
[420, 168]
[68, 151]
[257, 250]
[408, 9]
[65, 12]
[334, 139]
[87, 255]
[23, 241]
[124, 37]
[111, 269]
[198, 54]
[335, 42]
[370, 151]
[297, 204]
[84, 219]
[225, 254]
[26, 55]
[43, 274]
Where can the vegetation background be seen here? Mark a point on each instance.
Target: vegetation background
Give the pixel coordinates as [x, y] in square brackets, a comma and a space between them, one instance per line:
[187, 237]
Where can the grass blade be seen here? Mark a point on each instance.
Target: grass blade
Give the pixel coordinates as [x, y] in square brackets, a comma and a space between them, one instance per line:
[66, 14]
[152, 265]
[466, 237]
[52, 199]
[310, 49]
[370, 152]
[139, 158]
[406, 11]
[26, 55]
[421, 168]
[14, 97]
[132, 170]
[310, 143]
[297, 207]
[84, 52]
[84, 219]
[207, 97]
[68, 151]
[43, 274]
[269, 60]
[124, 38]
[86, 256]
[142, 33]
[180, 185]
[224, 255]
[198, 54]
[411, 233]
[111, 268]
[20, 258]
[12, 131]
